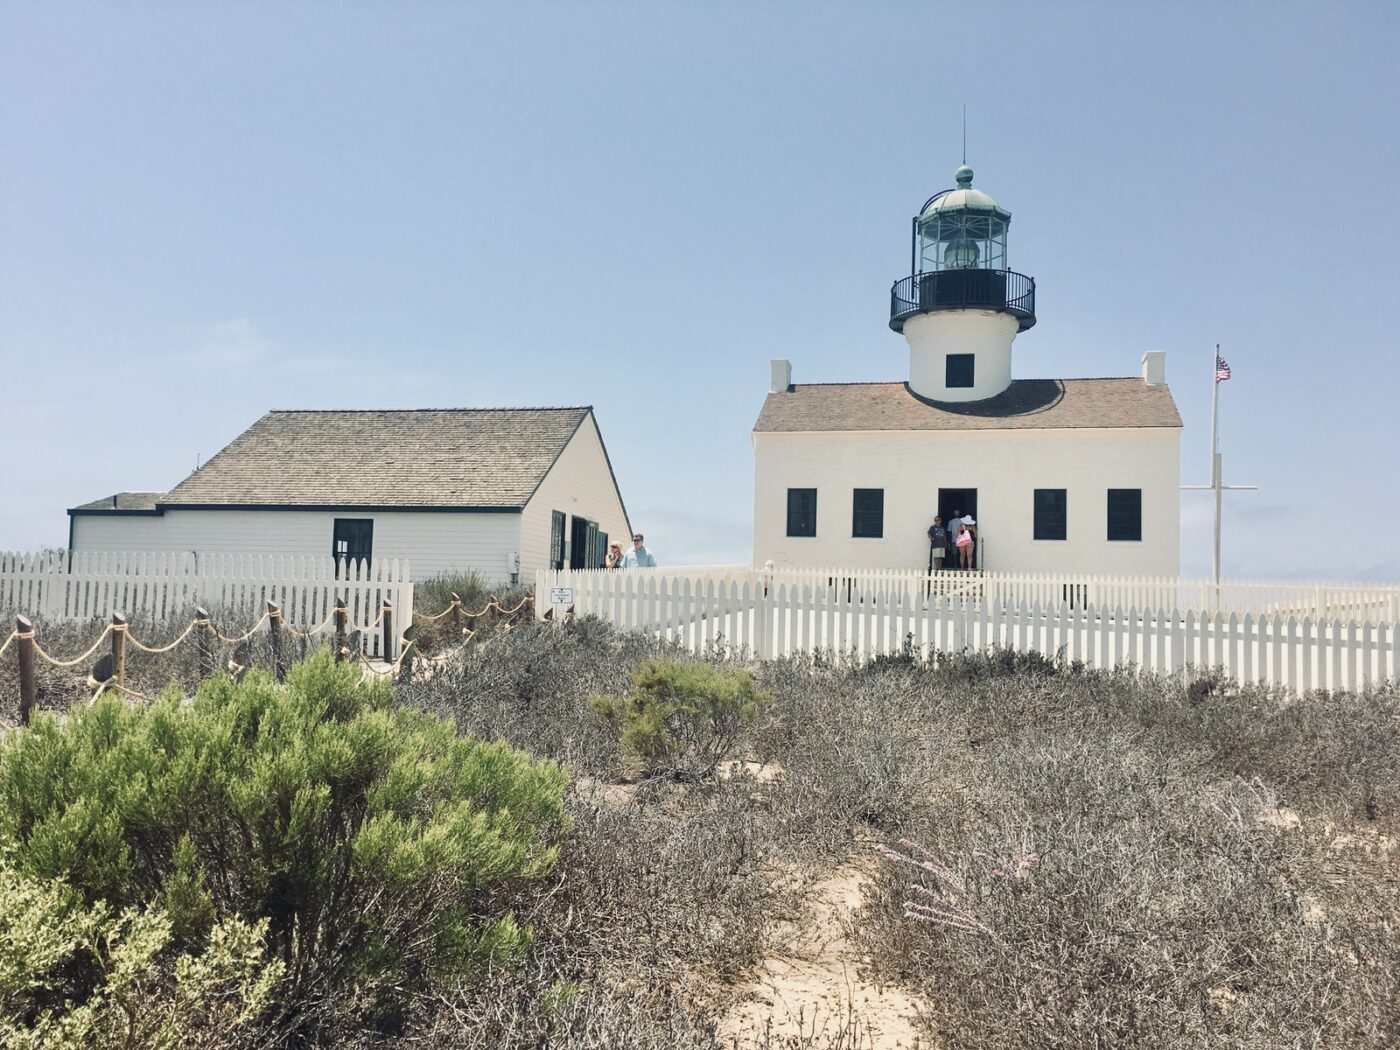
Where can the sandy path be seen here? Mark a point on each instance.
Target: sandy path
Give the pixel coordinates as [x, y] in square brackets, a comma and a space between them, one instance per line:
[813, 986]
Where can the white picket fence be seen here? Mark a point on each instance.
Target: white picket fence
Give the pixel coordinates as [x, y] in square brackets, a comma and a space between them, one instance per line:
[159, 587]
[1373, 603]
[862, 616]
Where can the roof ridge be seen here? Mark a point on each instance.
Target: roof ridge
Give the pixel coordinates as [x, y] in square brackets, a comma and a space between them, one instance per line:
[1024, 379]
[521, 408]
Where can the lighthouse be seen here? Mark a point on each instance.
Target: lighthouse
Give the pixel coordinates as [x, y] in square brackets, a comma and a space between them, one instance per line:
[961, 307]
[1074, 476]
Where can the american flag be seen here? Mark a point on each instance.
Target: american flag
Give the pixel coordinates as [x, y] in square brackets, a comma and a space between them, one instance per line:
[1222, 369]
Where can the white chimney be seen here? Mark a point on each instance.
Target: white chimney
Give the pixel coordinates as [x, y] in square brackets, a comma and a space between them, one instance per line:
[1154, 368]
[782, 376]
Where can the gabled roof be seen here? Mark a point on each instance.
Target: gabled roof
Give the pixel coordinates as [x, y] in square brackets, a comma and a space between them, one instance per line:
[455, 458]
[1028, 404]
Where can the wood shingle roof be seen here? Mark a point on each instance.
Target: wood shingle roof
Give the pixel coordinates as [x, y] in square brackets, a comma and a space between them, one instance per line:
[1027, 404]
[458, 458]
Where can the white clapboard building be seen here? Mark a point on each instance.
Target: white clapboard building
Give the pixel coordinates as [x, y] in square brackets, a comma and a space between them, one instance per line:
[504, 492]
[1061, 475]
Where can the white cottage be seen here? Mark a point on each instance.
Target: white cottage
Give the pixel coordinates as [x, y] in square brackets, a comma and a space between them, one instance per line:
[504, 492]
[1061, 475]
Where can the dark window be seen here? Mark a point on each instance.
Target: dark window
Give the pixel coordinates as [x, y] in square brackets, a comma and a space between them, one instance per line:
[582, 533]
[868, 513]
[959, 370]
[556, 540]
[1125, 514]
[1049, 514]
[802, 512]
[352, 540]
[602, 548]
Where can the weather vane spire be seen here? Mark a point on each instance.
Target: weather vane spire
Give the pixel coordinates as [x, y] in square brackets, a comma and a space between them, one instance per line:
[964, 132]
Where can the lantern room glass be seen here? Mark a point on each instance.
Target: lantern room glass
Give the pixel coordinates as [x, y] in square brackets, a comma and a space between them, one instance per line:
[961, 239]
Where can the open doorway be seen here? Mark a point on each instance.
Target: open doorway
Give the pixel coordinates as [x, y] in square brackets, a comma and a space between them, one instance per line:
[965, 500]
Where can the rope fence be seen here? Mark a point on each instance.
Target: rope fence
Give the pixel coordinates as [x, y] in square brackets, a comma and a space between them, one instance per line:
[108, 672]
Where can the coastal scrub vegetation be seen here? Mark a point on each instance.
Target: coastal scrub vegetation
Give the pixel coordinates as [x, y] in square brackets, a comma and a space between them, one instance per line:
[486, 857]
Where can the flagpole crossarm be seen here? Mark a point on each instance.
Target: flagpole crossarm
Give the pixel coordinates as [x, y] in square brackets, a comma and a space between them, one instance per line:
[1222, 488]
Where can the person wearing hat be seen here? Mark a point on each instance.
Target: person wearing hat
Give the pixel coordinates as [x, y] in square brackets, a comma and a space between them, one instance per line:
[614, 558]
[638, 557]
[967, 541]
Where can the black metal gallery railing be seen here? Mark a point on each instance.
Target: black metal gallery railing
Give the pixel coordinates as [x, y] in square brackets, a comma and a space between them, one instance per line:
[1005, 291]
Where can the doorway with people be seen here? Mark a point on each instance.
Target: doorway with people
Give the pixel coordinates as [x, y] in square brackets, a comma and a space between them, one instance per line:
[960, 503]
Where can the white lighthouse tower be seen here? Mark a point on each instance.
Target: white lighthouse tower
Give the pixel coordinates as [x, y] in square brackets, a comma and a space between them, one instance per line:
[961, 308]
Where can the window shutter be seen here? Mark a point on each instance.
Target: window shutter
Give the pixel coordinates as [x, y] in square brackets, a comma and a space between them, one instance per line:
[556, 540]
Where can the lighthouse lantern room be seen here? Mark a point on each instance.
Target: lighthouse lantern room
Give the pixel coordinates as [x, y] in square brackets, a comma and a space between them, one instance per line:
[960, 307]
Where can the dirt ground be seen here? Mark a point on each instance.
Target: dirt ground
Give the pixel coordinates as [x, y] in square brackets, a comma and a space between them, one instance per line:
[813, 987]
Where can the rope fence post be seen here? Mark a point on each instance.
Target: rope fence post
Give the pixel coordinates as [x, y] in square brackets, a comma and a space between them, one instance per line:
[388, 632]
[456, 615]
[274, 631]
[410, 641]
[118, 649]
[341, 616]
[204, 643]
[24, 652]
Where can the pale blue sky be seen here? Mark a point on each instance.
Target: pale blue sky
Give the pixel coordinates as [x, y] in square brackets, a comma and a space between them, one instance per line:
[207, 211]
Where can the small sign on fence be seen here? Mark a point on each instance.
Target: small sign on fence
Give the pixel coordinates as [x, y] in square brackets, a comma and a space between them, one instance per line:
[561, 596]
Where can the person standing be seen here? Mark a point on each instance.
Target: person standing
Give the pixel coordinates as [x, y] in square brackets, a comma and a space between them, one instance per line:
[639, 557]
[967, 542]
[954, 526]
[938, 544]
[614, 558]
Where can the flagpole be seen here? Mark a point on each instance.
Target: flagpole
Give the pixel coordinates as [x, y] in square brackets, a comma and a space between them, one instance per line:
[1215, 457]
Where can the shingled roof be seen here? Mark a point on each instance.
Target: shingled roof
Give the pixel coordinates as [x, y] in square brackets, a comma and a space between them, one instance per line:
[124, 503]
[458, 458]
[1039, 404]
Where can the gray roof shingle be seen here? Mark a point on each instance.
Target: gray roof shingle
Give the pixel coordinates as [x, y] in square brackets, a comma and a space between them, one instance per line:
[455, 457]
[123, 501]
[1027, 404]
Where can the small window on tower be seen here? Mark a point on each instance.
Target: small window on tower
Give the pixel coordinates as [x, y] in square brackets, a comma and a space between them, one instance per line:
[959, 370]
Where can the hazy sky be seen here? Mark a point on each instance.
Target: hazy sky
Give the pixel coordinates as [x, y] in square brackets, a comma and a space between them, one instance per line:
[207, 211]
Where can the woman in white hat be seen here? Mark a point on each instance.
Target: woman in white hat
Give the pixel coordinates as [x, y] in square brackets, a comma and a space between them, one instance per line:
[967, 541]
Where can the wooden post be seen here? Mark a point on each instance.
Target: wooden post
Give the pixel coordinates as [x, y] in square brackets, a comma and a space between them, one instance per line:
[28, 695]
[456, 615]
[118, 649]
[204, 643]
[410, 641]
[387, 646]
[274, 631]
[340, 620]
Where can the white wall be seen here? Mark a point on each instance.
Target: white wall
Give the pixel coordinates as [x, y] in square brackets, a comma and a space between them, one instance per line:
[1005, 466]
[581, 485]
[985, 334]
[434, 543]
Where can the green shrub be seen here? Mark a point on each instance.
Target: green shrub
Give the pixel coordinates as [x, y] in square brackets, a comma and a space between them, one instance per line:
[133, 992]
[366, 836]
[683, 717]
